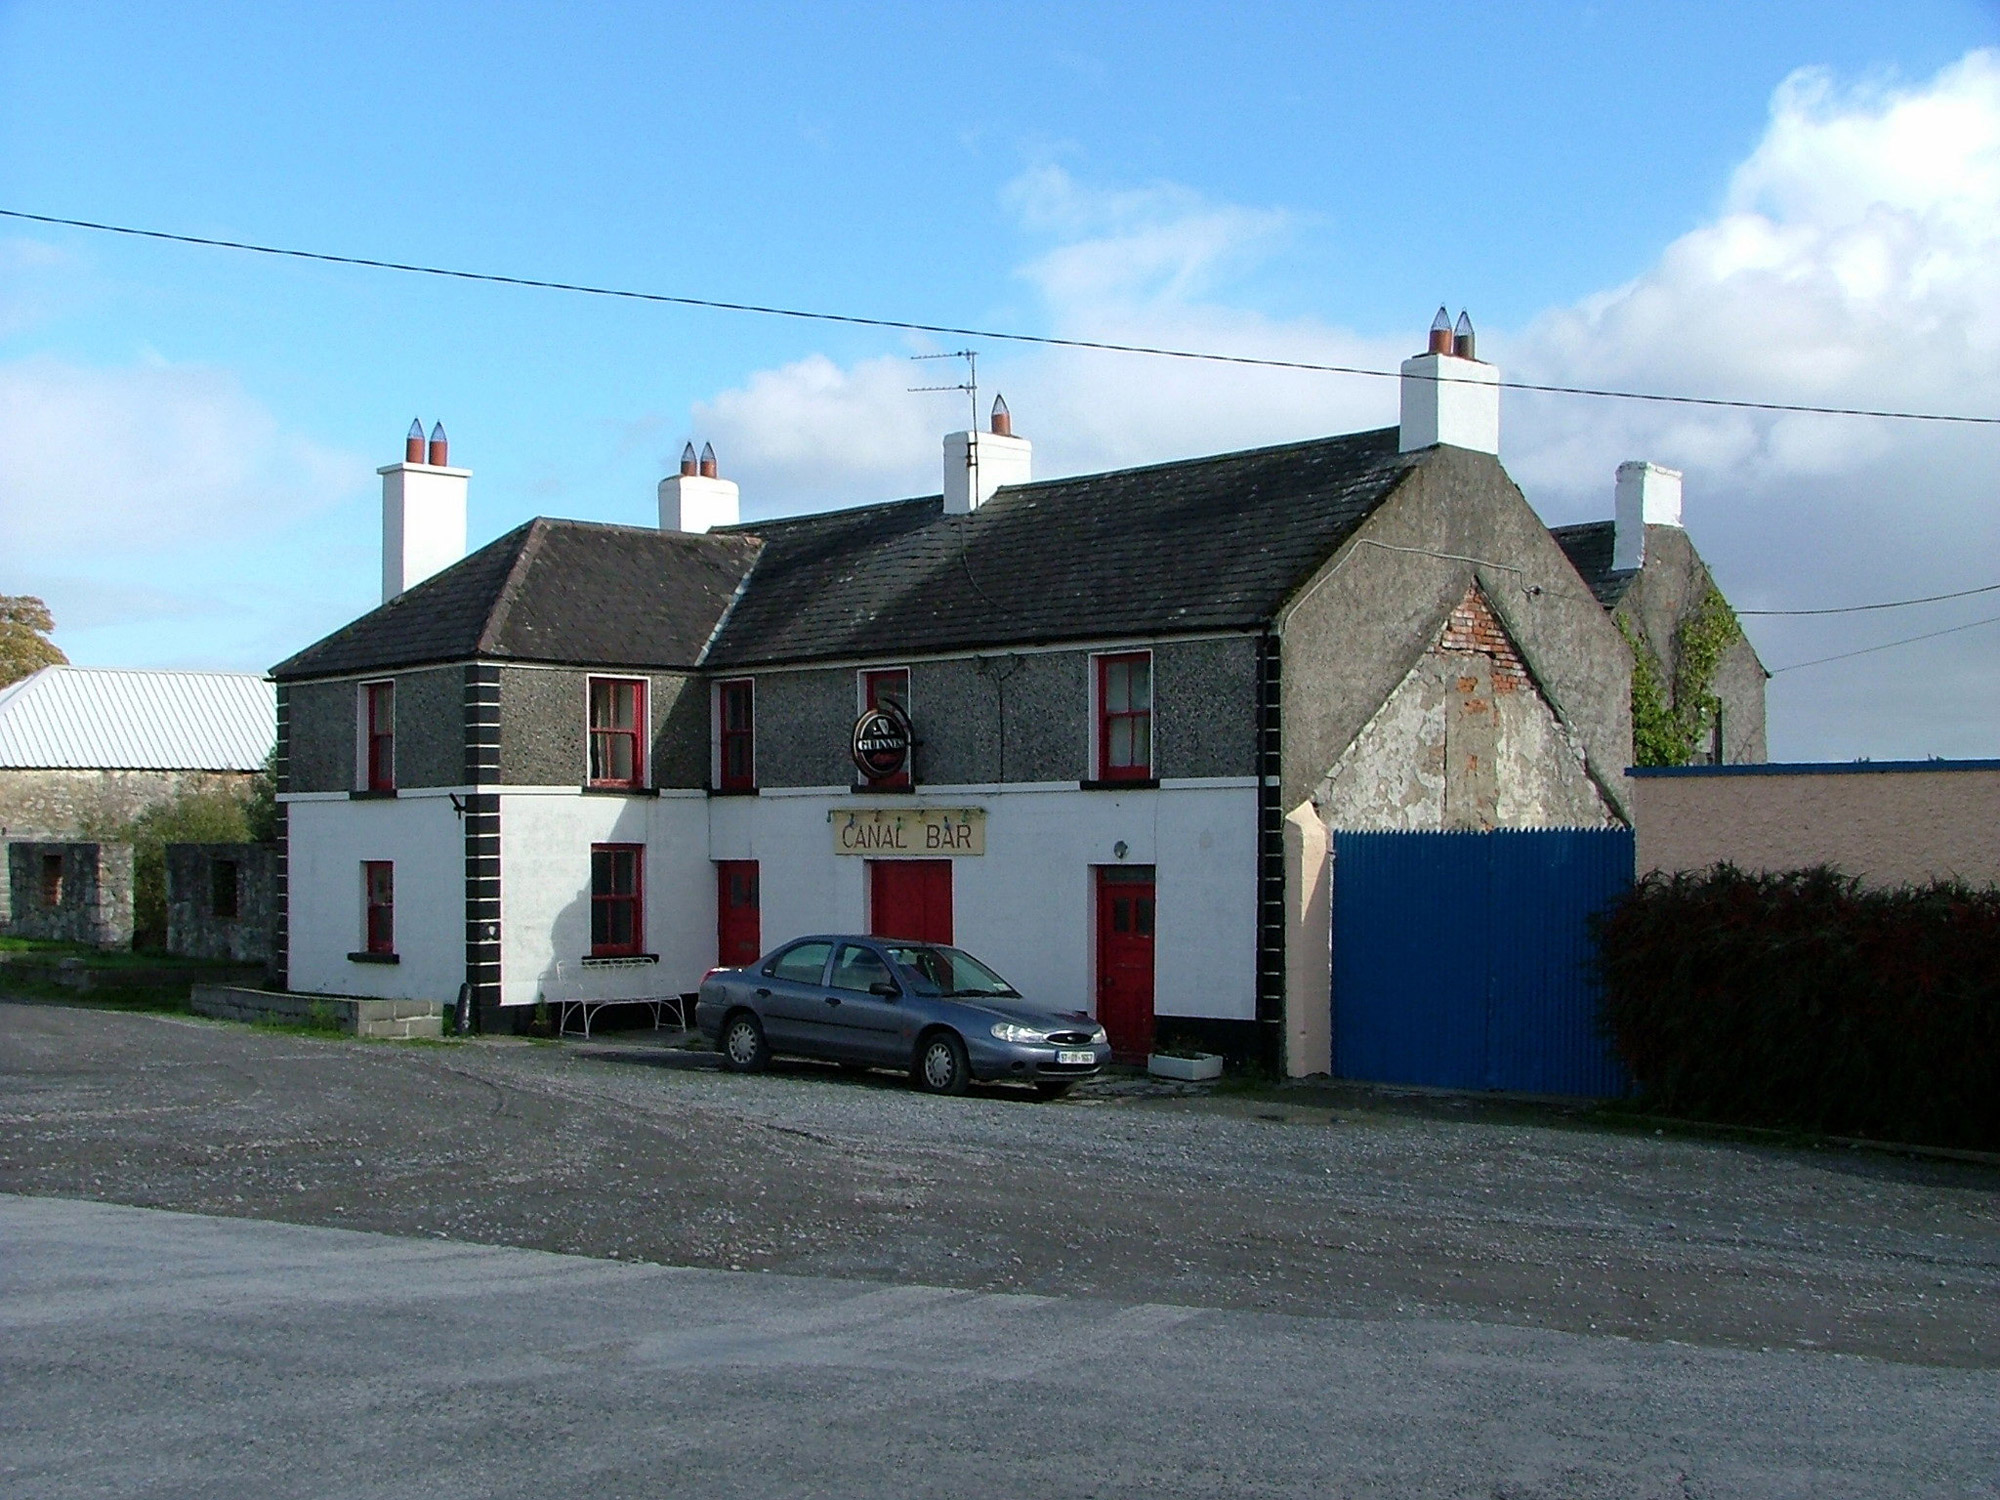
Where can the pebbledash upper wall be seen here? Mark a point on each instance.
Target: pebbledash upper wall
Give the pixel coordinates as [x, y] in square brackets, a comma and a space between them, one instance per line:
[1003, 717]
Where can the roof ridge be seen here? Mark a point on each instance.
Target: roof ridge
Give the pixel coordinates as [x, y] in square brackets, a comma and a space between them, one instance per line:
[70, 666]
[510, 586]
[1202, 460]
[748, 528]
[735, 598]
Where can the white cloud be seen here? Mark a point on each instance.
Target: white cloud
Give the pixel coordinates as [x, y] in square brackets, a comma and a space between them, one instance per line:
[147, 459]
[1854, 261]
[1136, 266]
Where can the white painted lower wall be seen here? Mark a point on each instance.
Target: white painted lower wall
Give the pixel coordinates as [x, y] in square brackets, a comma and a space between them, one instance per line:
[545, 839]
[1027, 905]
[328, 842]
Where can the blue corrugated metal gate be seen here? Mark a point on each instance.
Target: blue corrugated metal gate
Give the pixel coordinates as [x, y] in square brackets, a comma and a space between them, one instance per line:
[1460, 960]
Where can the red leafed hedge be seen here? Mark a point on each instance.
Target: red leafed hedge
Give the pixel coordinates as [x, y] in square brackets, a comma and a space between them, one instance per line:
[1802, 1000]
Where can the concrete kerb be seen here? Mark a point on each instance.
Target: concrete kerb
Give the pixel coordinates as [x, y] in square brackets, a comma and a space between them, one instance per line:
[396, 1020]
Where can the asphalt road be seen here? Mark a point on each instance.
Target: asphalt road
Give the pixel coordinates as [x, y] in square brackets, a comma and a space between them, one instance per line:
[166, 1355]
[1107, 1296]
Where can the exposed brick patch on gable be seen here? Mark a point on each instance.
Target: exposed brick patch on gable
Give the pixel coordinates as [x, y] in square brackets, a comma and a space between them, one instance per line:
[1474, 628]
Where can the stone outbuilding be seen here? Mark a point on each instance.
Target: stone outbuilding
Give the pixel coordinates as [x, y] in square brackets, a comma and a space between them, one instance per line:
[89, 748]
[222, 901]
[70, 892]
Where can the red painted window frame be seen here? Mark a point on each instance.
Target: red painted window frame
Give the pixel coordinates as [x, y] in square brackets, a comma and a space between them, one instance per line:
[1106, 771]
[635, 900]
[380, 713]
[634, 735]
[732, 737]
[872, 680]
[378, 906]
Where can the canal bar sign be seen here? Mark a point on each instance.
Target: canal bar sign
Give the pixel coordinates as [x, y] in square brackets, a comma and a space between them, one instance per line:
[917, 832]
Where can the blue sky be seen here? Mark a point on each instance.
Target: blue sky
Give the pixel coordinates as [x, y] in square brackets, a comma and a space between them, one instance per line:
[1640, 196]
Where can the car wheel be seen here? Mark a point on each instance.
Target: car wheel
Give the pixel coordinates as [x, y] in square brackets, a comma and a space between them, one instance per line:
[1053, 1090]
[744, 1049]
[941, 1066]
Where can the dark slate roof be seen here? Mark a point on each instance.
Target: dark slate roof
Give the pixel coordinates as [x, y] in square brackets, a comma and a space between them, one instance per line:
[1204, 544]
[1589, 547]
[552, 591]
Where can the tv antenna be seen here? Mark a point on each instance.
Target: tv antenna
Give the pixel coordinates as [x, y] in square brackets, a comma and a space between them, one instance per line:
[970, 385]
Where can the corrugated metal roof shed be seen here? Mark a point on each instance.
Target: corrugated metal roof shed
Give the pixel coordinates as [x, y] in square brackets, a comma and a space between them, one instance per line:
[107, 718]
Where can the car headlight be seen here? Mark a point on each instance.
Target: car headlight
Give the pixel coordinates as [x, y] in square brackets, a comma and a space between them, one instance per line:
[1007, 1031]
[1100, 1035]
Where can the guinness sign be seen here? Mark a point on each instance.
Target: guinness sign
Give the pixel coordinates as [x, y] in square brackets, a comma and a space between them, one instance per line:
[882, 743]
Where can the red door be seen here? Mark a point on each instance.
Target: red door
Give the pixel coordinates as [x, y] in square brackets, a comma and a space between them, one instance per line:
[1125, 958]
[910, 898]
[738, 928]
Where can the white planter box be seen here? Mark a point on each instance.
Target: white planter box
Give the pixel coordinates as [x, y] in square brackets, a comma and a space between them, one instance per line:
[1187, 1069]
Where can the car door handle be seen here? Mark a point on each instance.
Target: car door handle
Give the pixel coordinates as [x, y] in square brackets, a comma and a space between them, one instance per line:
[763, 994]
[833, 999]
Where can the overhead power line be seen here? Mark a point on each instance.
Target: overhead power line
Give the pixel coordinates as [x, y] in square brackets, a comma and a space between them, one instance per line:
[949, 330]
[1855, 609]
[1909, 640]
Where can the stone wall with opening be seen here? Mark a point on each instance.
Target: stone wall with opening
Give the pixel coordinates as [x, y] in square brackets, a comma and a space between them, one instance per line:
[70, 892]
[222, 901]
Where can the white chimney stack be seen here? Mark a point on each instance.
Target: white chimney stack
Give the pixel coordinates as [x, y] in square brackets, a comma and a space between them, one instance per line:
[1449, 396]
[978, 463]
[423, 512]
[695, 500]
[1648, 495]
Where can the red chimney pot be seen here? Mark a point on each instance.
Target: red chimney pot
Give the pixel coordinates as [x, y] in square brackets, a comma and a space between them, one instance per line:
[1440, 333]
[687, 461]
[1003, 420]
[440, 448]
[708, 460]
[1463, 343]
[413, 442]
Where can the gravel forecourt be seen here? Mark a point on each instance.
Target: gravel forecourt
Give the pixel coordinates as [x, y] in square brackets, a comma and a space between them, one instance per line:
[1293, 1203]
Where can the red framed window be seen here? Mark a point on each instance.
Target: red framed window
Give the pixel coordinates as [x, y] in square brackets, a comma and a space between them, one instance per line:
[1125, 716]
[617, 731]
[379, 710]
[617, 900]
[736, 711]
[889, 685]
[378, 898]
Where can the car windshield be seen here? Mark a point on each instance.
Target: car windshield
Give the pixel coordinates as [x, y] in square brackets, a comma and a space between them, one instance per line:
[946, 971]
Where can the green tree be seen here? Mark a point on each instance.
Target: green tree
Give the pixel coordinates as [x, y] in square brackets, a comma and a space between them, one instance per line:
[193, 817]
[25, 647]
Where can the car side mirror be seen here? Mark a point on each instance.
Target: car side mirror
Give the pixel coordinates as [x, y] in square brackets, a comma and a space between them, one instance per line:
[886, 988]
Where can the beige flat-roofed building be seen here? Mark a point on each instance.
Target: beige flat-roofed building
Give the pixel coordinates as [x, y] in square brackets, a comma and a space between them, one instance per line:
[1888, 822]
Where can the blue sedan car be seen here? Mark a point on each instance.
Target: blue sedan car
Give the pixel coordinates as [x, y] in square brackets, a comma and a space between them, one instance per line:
[937, 1012]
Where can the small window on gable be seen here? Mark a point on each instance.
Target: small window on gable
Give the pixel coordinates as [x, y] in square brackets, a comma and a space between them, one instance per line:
[736, 718]
[617, 900]
[1125, 716]
[617, 731]
[378, 900]
[378, 733]
[223, 889]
